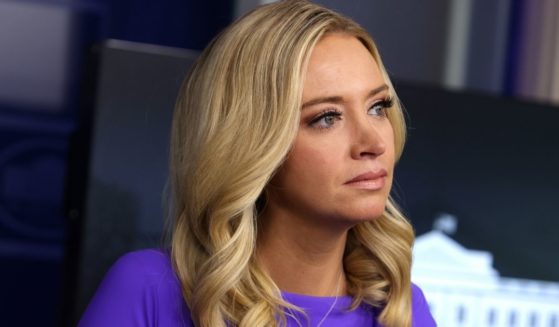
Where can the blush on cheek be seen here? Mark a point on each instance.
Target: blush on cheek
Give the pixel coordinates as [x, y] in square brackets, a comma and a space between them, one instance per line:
[304, 157]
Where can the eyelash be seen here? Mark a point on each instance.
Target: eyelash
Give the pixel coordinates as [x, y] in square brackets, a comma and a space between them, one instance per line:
[334, 113]
[384, 104]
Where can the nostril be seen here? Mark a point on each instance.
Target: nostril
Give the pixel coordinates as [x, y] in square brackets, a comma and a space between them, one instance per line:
[373, 145]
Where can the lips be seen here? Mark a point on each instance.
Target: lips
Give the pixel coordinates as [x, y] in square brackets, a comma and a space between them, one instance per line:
[371, 180]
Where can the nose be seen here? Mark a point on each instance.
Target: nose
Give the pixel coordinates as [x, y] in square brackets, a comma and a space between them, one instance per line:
[367, 140]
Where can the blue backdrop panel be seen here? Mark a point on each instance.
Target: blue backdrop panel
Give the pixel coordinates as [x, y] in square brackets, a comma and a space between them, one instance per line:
[32, 174]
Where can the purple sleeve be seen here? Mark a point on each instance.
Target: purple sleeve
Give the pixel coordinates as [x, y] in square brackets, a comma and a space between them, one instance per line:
[421, 316]
[141, 290]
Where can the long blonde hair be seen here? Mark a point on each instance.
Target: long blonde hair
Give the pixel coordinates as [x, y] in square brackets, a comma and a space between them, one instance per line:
[235, 121]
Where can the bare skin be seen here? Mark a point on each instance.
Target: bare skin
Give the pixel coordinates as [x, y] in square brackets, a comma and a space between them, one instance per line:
[303, 260]
[338, 174]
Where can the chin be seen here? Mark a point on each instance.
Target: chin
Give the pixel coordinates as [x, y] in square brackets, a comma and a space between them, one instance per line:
[368, 210]
[367, 214]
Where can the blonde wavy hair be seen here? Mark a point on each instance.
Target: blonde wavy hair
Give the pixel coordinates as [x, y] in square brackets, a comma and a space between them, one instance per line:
[235, 121]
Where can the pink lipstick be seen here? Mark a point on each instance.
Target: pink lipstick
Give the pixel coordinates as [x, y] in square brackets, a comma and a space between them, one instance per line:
[369, 180]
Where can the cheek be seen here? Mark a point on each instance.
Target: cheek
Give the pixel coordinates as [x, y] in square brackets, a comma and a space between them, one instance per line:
[314, 160]
[303, 156]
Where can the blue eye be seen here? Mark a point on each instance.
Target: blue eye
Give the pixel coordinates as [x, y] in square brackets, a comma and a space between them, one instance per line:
[326, 119]
[379, 108]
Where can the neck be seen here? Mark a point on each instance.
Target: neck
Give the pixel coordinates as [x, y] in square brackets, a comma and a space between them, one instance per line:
[300, 257]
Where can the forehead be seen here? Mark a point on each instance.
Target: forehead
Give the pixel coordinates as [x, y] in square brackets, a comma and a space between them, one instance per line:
[341, 63]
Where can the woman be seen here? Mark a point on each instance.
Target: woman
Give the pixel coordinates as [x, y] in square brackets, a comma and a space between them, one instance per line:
[283, 147]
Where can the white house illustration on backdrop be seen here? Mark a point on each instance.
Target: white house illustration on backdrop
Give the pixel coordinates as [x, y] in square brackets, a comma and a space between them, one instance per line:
[463, 289]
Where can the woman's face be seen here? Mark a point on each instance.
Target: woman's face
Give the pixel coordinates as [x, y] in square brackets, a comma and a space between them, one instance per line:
[341, 164]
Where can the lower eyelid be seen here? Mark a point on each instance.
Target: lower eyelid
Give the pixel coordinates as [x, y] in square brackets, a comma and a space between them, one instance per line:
[326, 114]
[315, 122]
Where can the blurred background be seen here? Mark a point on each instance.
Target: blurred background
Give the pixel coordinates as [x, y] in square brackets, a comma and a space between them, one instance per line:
[87, 90]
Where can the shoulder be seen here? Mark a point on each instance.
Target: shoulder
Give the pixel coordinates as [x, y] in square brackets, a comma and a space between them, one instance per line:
[421, 316]
[143, 265]
[140, 289]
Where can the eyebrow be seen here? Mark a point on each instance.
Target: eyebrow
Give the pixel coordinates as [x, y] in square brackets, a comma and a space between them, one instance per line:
[339, 99]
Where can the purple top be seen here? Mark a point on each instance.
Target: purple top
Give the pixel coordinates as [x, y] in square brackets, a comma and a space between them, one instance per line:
[141, 289]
